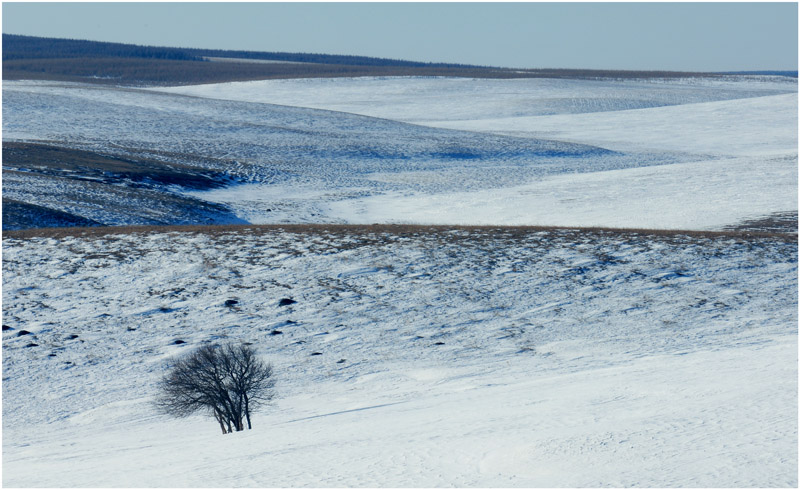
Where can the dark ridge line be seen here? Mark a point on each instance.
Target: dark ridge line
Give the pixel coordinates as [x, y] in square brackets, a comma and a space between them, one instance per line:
[18, 46]
[774, 73]
[395, 229]
[57, 59]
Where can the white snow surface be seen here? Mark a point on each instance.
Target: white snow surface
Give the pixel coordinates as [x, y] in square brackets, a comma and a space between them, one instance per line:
[695, 153]
[421, 357]
[425, 99]
[703, 195]
[748, 127]
[750, 117]
[483, 358]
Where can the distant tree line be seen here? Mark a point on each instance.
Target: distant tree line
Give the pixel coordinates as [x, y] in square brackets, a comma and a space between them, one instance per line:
[140, 71]
[37, 58]
[776, 73]
[331, 59]
[17, 47]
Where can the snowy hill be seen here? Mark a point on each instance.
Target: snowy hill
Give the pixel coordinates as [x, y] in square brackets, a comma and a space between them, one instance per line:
[413, 357]
[429, 150]
[729, 137]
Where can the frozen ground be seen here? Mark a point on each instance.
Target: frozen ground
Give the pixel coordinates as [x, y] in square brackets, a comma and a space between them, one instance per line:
[294, 160]
[706, 153]
[412, 357]
[423, 100]
[741, 131]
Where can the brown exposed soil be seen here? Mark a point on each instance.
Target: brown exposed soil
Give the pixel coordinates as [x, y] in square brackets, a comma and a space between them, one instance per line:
[375, 231]
[775, 223]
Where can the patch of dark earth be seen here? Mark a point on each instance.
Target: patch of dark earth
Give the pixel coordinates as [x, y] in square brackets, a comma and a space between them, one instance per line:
[785, 222]
[21, 215]
[49, 186]
[135, 170]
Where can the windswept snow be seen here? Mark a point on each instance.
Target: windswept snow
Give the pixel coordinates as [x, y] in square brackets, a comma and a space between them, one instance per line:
[470, 358]
[424, 99]
[762, 126]
[705, 195]
[412, 356]
[534, 151]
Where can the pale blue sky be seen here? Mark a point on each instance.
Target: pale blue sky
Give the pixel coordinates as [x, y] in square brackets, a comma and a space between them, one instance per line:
[650, 36]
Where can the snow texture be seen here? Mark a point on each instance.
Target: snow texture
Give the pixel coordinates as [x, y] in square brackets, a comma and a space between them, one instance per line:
[450, 151]
[470, 358]
[416, 357]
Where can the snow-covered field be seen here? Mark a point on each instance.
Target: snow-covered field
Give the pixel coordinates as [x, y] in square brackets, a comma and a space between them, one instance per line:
[423, 100]
[414, 356]
[742, 133]
[469, 358]
[447, 151]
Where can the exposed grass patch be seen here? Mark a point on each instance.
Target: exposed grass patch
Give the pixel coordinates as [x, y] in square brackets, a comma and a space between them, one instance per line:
[368, 234]
[785, 222]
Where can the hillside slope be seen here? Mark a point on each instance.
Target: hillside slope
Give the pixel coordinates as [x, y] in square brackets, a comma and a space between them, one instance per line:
[37, 58]
[527, 152]
[412, 357]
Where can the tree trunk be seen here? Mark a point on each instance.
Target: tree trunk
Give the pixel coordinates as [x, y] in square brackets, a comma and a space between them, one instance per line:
[218, 416]
[247, 412]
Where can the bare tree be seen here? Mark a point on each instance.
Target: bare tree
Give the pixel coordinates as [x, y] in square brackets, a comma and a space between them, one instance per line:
[227, 381]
